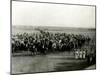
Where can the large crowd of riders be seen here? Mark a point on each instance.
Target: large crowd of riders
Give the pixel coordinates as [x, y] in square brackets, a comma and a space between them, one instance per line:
[47, 42]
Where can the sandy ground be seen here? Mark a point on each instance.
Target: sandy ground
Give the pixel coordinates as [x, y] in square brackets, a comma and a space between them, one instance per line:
[47, 63]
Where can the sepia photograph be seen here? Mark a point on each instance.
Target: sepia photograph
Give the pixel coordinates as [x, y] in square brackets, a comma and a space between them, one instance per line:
[52, 37]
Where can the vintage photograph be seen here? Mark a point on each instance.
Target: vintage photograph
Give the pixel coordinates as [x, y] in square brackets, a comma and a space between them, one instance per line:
[52, 37]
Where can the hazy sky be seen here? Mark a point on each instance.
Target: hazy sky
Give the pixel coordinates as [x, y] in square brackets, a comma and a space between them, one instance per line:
[43, 14]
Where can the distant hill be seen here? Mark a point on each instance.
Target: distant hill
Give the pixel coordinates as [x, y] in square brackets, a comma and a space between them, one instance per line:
[51, 28]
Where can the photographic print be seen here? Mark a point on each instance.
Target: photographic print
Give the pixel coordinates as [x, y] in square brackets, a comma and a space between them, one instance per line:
[52, 37]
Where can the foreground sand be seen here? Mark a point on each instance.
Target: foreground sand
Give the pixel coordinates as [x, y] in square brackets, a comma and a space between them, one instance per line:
[47, 63]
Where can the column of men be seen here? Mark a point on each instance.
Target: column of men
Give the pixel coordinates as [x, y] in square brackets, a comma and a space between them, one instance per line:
[80, 53]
